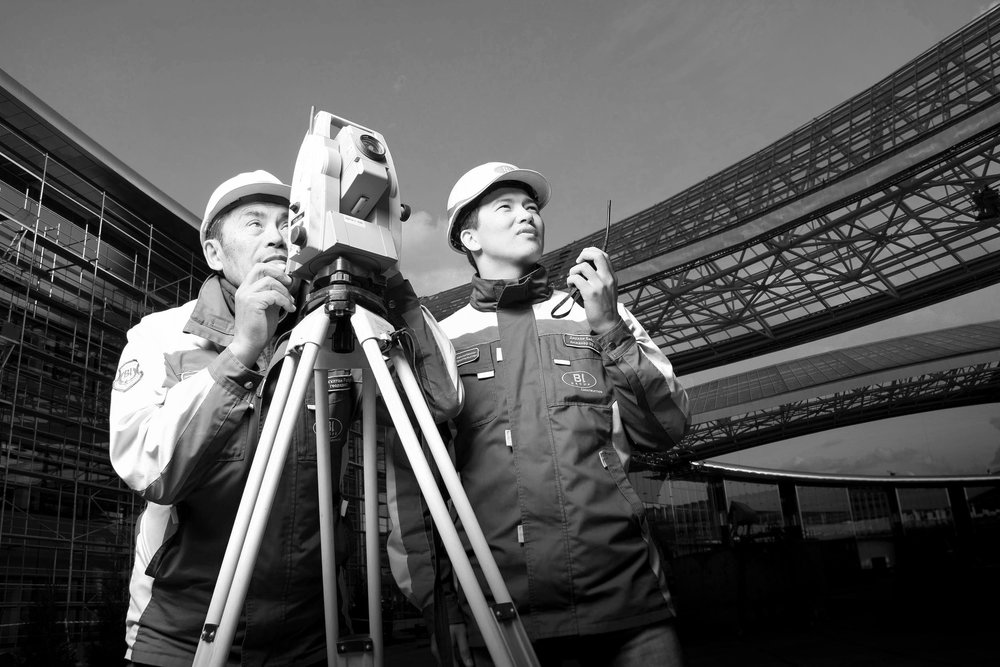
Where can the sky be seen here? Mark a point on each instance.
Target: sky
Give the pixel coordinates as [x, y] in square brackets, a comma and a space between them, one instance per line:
[631, 101]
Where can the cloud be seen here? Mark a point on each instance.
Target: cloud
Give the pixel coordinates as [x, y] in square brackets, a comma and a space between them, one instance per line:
[426, 260]
[641, 33]
[903, 462]
[835, 442]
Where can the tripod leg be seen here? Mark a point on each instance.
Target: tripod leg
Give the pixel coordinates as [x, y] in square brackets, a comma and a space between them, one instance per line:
[372, 554]
[241, 523]
[324, 475]
[314, 329]
[432, 495]
[504, 611]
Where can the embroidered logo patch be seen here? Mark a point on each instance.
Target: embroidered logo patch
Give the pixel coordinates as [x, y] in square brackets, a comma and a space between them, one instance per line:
[467, 356]
[504, 169]
[128, 376]
[579, 379]
[580, 340]
[336, 427]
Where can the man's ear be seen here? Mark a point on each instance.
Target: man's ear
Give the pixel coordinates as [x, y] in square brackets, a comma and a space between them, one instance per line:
[470, 239]
[213, 253]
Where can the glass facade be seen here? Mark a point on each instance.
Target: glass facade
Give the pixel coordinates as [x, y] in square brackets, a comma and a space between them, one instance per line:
[754, 508]
[984, 502]
[871, 511]
[924, 507]
[700, 511]
[825, 512]
[684, 512]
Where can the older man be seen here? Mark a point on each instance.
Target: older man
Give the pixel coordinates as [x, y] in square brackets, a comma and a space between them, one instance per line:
[188, 402]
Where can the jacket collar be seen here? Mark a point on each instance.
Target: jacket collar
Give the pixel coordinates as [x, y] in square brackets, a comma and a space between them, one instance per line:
[489, 295]
[213, 316]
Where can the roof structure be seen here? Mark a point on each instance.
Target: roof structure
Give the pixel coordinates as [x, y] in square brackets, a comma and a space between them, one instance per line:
[919, 373]
[871, 210]
[845, 370]
[67, 156]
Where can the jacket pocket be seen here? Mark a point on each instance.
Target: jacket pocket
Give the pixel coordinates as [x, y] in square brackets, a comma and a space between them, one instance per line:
[573, 375]
[478, 375]
[613, 464]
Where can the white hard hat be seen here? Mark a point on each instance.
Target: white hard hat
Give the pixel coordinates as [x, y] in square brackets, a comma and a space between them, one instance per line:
[477, 180]
[249, 186]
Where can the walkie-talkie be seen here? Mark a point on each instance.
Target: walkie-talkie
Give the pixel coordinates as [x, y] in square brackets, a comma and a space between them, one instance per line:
[575, 293]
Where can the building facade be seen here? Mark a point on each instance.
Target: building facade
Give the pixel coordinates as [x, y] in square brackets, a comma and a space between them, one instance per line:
[87, 248]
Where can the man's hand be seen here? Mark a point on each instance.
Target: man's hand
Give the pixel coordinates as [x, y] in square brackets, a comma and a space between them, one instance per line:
[264, 293]
[460, 644]
[593, 276]
[459, 638]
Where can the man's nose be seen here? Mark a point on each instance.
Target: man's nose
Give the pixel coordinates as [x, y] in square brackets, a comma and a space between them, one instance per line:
[276, 235]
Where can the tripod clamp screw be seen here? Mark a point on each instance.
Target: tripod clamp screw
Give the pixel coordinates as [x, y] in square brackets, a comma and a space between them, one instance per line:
[208, 634]
[504, 611]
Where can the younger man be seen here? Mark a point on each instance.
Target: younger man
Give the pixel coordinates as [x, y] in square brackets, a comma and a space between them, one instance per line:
[553, 408]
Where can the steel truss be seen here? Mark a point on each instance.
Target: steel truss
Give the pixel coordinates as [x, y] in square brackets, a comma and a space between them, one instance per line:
[910, 244]
[967, 385]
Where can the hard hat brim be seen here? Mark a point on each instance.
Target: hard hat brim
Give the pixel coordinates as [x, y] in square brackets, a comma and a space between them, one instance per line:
[263, 190]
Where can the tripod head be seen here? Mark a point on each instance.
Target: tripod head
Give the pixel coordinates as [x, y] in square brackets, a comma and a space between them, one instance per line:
[346, 218]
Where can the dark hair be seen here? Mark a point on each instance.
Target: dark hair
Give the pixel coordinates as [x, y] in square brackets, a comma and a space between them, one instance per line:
[214, 228]
[469, 217]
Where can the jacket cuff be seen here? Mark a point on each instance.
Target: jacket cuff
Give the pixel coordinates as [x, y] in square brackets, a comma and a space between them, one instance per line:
[235, 378]
[615, 342]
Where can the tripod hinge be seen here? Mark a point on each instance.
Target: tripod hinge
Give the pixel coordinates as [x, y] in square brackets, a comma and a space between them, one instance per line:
[208, 633]
[504, 611]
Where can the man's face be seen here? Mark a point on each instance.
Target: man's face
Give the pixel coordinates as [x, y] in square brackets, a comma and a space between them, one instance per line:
[251, 233]
[510, 234]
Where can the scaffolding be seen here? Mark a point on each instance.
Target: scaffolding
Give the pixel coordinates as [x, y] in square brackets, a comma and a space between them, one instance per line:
[77, 269]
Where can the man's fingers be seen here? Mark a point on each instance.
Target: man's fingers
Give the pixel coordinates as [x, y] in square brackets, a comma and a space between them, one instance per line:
[274, 290]
[599, 258]
[464, 654]
[274, 297]
[271, 270]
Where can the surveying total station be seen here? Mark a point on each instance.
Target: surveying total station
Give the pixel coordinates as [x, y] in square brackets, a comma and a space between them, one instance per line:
[345, 236]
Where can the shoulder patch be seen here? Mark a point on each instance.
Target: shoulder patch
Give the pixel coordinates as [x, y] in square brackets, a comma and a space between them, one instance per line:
[128, 376]
[580, 340]
[467, 356]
